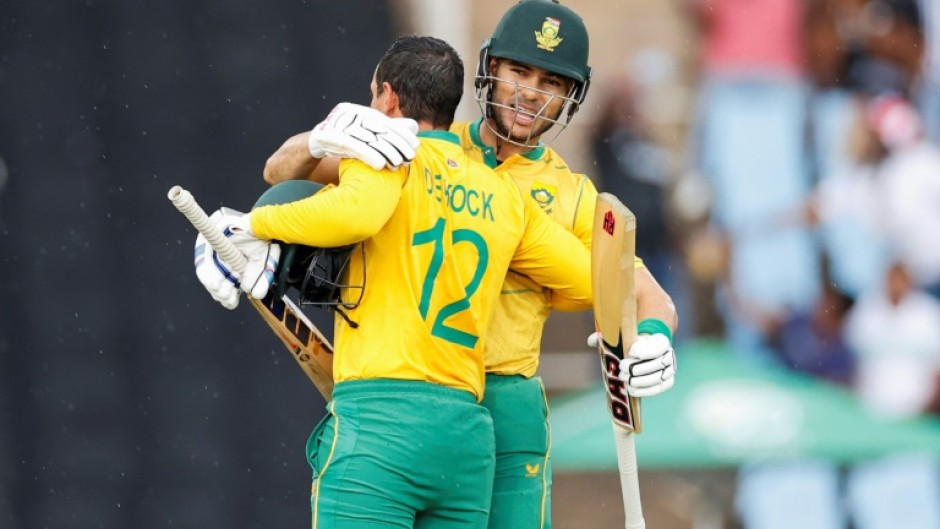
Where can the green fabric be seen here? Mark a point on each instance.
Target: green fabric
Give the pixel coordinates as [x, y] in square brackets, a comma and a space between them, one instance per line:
[725, 410]
[522, 487]
[654, 326]
[440, 135]
[401, 453]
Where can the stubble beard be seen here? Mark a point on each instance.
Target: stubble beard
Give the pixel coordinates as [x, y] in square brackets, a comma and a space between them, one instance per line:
[505, 123]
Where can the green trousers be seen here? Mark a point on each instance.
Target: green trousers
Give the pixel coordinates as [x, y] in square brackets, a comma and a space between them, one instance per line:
[523, 480]
[401, 454]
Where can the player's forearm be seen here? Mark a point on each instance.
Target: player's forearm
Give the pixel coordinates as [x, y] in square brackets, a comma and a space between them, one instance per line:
[291, 161]
[652, 301]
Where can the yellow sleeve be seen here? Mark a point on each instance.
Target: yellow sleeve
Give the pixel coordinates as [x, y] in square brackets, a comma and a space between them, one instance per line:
[351, 212]
[554, 257]
[582, 225]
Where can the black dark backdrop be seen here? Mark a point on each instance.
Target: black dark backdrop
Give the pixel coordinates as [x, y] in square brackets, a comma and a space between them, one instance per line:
[128, 398]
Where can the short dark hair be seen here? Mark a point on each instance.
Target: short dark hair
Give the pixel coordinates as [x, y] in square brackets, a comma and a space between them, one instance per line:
[427, 75]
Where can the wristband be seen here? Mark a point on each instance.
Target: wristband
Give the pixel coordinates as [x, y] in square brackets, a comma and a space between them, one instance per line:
[654, 326]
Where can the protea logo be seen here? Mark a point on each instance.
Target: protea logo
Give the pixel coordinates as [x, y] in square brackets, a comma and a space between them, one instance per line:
[548, 38]
[544, 195]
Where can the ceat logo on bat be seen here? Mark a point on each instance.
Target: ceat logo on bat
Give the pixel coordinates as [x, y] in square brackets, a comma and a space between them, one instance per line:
[609, 222]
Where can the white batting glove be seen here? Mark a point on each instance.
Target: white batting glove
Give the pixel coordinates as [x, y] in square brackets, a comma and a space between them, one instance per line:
[648, 368]
[220, 280]
[363, 133]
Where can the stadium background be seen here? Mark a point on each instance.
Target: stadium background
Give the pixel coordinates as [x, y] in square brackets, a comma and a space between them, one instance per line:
[128, 398]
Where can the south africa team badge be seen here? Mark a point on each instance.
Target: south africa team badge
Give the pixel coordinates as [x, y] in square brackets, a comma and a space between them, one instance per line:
[544, 195]
[548, 38]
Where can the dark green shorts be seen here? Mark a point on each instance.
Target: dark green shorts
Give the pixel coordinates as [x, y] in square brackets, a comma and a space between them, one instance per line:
[401, 454]
[523, 482]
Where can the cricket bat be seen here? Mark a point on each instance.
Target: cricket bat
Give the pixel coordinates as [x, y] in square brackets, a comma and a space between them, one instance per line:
[307, 345]
[612, 277]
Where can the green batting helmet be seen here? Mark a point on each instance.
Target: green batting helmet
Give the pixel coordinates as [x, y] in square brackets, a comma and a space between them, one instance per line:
[286, 192]
[543, 34]
[546, 34]
[315, 272]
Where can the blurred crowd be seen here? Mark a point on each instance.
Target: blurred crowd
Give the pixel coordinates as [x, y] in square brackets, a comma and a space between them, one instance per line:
[816, 146]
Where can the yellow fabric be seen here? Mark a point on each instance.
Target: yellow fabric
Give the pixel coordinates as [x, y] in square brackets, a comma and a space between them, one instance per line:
[438, 237]
[514, 340]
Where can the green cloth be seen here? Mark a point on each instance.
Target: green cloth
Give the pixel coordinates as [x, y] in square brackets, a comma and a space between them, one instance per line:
[392, 449]
[724, 411]
[523, 482]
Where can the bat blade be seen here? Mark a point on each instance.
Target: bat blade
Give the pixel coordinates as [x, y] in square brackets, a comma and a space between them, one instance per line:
[612, 253]
[307, 345]
[612, 274]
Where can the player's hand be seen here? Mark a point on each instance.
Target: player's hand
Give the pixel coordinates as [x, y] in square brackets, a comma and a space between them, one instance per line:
[648, 368]
[363, 133]
[262, 255]
[222, 282]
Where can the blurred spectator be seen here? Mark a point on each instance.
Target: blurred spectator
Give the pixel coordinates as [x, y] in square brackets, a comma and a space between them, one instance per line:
[928, 90]
[813, 342]
[750, 146]
[895, 331]
[863, 45]
[840, 67]
[909, 188]
[845, 209]
[635, 168]
[857, 49]
[893, 41]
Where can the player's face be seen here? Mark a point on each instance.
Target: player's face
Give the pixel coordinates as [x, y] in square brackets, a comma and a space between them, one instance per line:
[525, 96]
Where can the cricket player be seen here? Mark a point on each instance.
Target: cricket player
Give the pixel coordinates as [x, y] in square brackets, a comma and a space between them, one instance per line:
[532, 77]
[406, 442]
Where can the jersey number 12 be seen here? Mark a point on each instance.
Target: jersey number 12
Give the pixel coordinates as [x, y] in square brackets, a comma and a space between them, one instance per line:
[435, 236]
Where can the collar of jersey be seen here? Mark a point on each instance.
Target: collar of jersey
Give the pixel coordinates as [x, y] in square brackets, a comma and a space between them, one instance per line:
[489, 153]
[445, 135]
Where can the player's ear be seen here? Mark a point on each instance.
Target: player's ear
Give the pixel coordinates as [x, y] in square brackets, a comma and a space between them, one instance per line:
[390, 104]
[493, 66]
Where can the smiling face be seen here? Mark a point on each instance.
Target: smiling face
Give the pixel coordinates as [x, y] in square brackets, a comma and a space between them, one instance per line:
[526, 100]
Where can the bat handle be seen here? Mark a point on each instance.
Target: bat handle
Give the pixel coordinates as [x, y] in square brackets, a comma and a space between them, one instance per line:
[629, 479]
[187, 205]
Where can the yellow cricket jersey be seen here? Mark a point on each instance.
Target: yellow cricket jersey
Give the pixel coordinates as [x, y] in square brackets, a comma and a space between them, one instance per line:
[514, 339]
[438, 237]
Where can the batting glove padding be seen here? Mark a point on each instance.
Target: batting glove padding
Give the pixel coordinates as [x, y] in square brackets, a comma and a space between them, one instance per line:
[363, 133]
[648, 368]
[220, 280]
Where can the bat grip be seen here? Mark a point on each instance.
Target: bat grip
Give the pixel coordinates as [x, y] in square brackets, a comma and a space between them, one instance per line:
[187, 205]
[629, 479]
